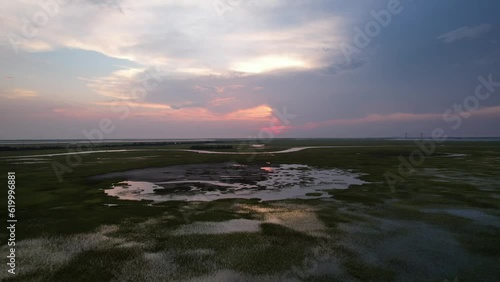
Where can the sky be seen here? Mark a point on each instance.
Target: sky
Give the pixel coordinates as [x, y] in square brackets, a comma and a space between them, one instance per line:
[77, 69]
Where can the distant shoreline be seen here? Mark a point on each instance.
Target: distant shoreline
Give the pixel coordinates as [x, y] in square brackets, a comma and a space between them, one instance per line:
[212, 140]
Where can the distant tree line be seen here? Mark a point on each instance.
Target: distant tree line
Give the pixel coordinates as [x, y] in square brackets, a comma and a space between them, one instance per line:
[203, 145]
[211, 147]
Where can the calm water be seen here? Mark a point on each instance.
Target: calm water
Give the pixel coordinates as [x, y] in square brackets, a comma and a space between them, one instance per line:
[208, 182]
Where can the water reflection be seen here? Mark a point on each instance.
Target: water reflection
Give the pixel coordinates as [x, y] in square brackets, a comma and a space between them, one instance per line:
[207, 182]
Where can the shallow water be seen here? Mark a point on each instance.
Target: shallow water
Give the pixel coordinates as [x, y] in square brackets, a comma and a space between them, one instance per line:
[230, 226]
[290, 150]
[208, 182]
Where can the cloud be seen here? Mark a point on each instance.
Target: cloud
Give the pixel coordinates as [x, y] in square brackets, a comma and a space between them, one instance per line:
[261, 112]
[465, 32]
[341, 67]
[220, 101]
[111, 4]
[394, 117]
[188, 38]
[218, 89]
[187, 105]
[145, 85]
[135, 104]
[18, 93]
[192, 112]
[270, 63]
[132, 83]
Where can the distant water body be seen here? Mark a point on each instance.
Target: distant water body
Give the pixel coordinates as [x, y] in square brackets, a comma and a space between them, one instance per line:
[69, 141]
[462, 139]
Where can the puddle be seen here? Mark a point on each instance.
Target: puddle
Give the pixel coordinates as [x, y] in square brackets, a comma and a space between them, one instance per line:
[230, 226]
[296, 217]
[452, 155]
[208, 182]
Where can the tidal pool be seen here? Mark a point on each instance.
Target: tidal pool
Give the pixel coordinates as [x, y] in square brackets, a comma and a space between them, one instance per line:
[208, 182]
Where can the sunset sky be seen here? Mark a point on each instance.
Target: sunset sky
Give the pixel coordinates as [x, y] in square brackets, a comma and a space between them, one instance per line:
[229, 68]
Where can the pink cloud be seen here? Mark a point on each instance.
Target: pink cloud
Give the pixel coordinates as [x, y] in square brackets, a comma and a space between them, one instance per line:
[164, 111]
[276, 126]
[220, 101]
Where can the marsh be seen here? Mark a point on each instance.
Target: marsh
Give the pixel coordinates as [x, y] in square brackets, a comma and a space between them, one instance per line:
[322, 214]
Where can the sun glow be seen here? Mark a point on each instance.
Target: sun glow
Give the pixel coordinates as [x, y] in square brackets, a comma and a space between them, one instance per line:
[269, 63]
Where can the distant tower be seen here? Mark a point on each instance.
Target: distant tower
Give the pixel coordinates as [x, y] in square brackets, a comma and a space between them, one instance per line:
[406, 135]
[421, 135]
